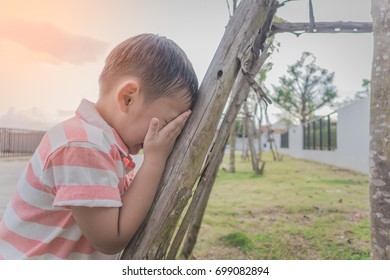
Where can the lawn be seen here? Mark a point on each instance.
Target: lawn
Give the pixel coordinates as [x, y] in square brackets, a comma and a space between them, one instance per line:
[296, 210]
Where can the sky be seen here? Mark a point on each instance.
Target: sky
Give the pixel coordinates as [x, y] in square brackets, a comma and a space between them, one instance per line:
[51, 52]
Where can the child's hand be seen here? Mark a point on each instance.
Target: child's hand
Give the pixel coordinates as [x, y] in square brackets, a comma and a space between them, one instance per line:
[158, 144]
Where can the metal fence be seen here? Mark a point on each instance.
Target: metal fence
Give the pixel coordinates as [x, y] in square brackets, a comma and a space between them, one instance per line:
[19, 142]
[321, 134]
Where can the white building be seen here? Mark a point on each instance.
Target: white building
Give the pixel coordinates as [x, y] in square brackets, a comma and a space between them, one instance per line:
[352, 134]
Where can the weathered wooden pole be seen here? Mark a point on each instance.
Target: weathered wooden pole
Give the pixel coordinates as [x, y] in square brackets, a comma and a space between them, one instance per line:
[195, 213]
[239, 94]
[153, 238]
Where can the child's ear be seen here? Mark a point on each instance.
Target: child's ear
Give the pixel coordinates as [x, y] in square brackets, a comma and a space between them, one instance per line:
[126, 93]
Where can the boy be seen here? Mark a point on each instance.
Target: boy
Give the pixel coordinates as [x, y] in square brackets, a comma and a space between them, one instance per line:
[74, 200]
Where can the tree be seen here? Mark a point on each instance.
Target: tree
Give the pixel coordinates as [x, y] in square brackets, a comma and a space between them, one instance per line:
[305, 89]
[249, 123]
[379, 178]
[361, 94]
[365, 92]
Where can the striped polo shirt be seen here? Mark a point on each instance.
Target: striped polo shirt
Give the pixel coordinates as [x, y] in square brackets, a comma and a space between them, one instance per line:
[80, 162]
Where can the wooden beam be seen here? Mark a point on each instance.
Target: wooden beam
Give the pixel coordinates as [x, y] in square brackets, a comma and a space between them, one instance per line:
[299, 28]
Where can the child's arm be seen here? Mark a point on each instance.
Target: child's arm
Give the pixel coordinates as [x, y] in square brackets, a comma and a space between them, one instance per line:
[110, 229]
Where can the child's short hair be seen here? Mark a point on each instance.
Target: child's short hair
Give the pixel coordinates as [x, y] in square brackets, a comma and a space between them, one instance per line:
[161, 65]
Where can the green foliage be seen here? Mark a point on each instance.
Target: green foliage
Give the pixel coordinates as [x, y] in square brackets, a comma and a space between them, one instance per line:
[305, 89]
[361, 94]
[365, 92]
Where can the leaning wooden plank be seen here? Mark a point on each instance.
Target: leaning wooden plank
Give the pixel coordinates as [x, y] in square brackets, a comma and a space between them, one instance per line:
[182, 170]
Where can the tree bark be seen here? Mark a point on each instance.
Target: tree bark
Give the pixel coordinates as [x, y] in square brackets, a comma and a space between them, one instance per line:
[260, 135]
[153, 239]
[380, 132]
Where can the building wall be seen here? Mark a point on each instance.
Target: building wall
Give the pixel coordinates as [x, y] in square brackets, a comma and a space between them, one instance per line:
[352, 140]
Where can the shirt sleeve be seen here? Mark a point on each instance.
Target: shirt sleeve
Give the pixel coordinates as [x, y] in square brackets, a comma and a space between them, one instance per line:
[82, 175]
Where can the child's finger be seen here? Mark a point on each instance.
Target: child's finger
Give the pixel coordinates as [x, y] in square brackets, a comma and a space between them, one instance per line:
[153, 128]
[176, 126]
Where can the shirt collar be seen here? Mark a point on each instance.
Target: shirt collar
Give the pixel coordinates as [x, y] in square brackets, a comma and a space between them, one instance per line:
[87, 111]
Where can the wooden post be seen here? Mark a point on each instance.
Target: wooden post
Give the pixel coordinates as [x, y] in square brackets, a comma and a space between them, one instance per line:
[153, 238]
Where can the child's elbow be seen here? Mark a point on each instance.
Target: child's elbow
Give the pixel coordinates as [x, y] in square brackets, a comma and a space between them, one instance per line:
[109, 248]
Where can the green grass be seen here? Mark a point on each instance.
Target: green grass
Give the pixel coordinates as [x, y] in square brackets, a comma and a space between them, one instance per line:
[296, 210]
[239, 240]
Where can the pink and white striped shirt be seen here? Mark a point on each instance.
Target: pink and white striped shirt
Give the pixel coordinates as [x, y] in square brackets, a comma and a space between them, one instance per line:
[80, 162]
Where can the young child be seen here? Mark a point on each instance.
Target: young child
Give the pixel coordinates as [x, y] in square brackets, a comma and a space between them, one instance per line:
[75, 200]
